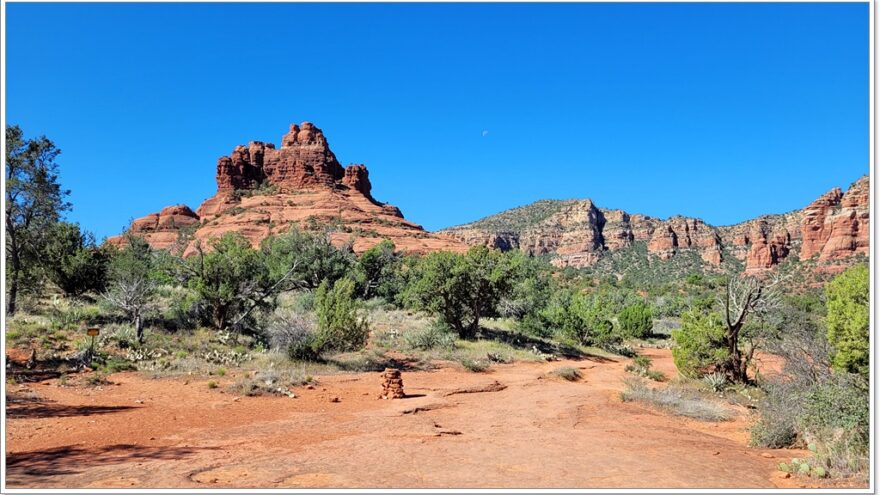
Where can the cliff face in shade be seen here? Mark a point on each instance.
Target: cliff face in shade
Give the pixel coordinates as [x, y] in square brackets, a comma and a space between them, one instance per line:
[834, 227]
[263, 190]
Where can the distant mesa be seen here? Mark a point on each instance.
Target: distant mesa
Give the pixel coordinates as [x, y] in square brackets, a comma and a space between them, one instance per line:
[263, 190]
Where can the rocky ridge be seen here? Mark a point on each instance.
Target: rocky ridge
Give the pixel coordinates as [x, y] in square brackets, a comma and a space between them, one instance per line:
[577, 233]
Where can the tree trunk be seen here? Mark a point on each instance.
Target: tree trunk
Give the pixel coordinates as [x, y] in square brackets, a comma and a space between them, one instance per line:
[139, 328]
[734, 367]
[13, 293]
[13, 282]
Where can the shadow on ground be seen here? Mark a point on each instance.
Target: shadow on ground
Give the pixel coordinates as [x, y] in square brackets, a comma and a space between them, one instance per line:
[526, 342]
[72, 459]
[35, 407]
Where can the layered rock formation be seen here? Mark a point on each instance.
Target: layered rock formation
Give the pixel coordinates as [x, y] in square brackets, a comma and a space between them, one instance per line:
[263, 190]
[832, 228]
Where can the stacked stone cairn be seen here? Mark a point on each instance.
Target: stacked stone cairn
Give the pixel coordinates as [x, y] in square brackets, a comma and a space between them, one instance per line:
[392, 384]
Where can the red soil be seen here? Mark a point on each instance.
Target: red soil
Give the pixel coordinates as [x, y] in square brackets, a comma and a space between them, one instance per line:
[536, 430]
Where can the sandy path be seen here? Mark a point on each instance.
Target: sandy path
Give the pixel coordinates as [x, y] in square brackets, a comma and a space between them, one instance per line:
[538, 431]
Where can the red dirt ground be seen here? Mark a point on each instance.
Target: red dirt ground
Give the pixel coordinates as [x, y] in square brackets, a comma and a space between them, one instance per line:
[537, 431]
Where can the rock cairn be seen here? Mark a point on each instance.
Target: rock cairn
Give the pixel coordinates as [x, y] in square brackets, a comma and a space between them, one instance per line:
[392, 384]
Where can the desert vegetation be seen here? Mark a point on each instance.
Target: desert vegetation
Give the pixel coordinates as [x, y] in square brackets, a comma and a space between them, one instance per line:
[298, 306]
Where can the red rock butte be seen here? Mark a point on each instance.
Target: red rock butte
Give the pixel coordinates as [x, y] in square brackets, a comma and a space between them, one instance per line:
[263, 191]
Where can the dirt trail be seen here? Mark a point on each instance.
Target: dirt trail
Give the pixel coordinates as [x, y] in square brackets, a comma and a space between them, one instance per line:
[517, 426]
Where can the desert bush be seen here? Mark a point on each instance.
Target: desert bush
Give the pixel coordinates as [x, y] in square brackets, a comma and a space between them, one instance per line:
[716, 382]
[435, 336]
[641, 366]
[636, 320]
[675, 400]
[341, 327]
[848, 320]
[568, 373]
[836, 419]
[292, 333]
[474, 365]
[270, 382]
[699, 343]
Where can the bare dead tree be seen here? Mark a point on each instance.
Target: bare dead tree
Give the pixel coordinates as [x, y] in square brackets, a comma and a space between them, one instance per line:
[132, 296]
[744, 297]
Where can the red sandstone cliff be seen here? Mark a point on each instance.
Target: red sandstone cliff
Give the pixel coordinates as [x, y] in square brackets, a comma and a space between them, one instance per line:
[834, 227]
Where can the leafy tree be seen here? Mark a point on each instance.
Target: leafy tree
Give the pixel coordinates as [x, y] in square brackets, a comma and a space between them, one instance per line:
[34, 201]
[463, 288]
[131, 286]
[699, 343]
[231, 279]
[73, 261]
[340, 326]
[315, 259]
[636, 320]
[376, 271]
[532, 290]
[848, 320]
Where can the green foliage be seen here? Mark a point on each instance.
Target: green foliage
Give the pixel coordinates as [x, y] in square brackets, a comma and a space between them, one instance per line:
[636, 320]
[34, 202]
[340, 325]
[311, 256]
[463, 288]
[73, 262]
[699, 343]
[434, 336]
[517, 219]
[229, 280]
[582, 317]
[376, 272]
[848, 320]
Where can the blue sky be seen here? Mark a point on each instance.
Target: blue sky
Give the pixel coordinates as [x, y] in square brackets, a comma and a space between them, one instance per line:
[724, 112]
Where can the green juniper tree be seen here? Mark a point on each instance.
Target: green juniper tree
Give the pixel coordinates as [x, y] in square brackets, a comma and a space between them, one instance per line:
[34, 202]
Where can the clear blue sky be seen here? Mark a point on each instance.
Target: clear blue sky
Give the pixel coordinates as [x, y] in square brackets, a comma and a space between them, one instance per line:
[724, 112]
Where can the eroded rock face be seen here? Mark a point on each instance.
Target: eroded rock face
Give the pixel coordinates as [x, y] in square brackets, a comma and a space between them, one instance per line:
[263, 190]
[815, 231]
[848, 226]
[161, 229]
[834, 227]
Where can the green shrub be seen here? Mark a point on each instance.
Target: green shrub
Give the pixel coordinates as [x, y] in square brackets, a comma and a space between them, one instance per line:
[716, 382]
[340, 324]
[435, 336]
[474, 365]
[836, 419]
[636, 321]
[73, 261]
[848, 320]
[699, 343]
